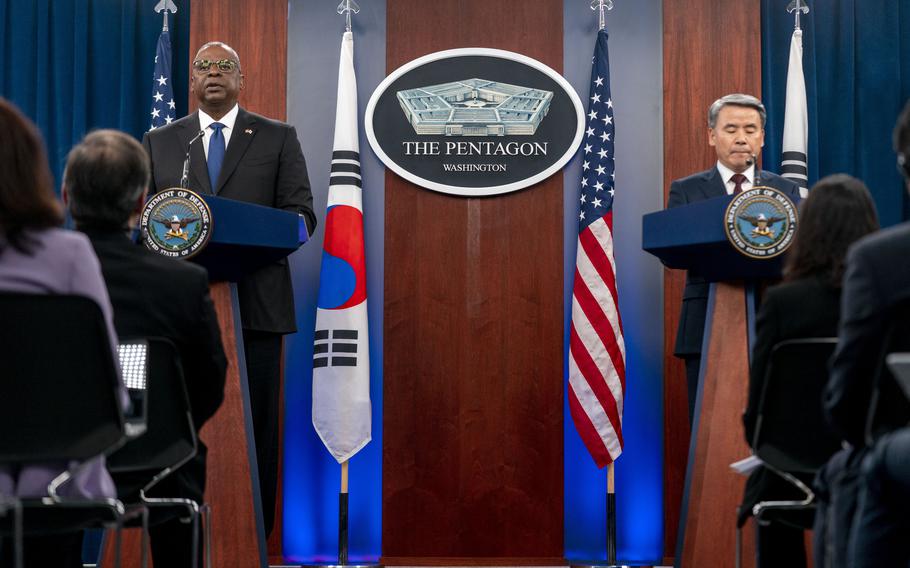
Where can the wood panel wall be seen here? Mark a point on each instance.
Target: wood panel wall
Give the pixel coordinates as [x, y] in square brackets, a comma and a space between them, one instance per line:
[473, 378]
[258, 31]
[710, 49]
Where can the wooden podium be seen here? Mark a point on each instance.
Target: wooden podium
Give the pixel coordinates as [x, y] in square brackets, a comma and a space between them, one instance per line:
[244, 237]
[693, 238]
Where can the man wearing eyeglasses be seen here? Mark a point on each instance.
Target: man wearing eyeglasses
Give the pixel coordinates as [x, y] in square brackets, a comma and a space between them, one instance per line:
[250, 158]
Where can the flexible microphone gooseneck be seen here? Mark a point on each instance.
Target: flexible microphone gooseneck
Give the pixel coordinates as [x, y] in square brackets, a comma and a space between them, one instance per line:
[753, 161]
[186, 162]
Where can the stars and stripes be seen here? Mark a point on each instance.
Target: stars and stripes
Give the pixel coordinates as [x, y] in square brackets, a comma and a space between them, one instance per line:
[163, 107]
[796, 120]
[341, 349]
[596, 348]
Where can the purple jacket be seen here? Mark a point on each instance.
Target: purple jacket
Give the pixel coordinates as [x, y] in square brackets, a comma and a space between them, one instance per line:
[61, 262]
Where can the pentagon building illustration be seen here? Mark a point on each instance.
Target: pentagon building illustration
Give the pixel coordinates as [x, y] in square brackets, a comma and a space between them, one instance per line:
[475, 107]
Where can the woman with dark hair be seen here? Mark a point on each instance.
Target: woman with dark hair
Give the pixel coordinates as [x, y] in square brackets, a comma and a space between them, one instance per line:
[38, 257]
[838, 212]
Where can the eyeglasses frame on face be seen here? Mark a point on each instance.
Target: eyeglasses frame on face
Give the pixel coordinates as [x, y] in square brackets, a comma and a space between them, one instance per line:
[203, 65]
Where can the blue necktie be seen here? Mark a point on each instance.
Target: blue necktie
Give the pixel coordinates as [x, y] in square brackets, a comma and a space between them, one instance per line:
[216, 153]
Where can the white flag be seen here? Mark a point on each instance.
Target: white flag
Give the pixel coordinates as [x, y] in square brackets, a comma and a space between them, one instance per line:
[341, 350]
[794, 163]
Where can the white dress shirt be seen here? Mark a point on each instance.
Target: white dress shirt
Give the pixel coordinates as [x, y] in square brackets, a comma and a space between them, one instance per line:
[727, 174]
[227, 120]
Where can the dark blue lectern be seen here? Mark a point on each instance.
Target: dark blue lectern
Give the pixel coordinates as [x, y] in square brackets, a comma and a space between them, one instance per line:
[693, 237]
[245, 237]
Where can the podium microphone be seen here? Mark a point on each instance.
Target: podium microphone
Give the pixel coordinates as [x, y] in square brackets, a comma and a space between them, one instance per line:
[186, 162]
[753, 161]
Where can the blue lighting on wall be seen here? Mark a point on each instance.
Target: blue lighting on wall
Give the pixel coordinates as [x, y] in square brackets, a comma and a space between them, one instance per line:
[312, 476]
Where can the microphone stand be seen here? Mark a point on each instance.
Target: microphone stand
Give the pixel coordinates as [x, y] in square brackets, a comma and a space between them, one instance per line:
[186, 161]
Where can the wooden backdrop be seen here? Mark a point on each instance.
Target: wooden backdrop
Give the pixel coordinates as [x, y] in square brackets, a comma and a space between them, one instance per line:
[263, 57]
[473, 420]
[710, 49]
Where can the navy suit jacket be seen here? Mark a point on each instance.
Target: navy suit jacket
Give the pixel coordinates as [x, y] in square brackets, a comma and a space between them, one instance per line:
[698, 187]
[263, 164]
[876, 281]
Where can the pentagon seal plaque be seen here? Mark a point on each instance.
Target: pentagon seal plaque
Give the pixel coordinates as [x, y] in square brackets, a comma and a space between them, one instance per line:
[176, 222]
[475, 121]
[761, 222]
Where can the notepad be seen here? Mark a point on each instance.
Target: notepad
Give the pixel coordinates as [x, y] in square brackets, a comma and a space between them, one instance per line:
[747, 465]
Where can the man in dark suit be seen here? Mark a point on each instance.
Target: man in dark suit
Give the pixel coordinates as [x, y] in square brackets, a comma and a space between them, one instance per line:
[736, 130]
[246, 157]
[105, 184]
[874, 321]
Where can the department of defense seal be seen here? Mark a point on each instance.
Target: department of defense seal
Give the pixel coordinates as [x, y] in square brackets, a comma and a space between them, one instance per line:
[176, 222]
[761, 222]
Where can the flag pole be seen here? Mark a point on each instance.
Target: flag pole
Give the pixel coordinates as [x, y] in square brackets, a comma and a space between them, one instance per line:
[341, 416]
[610, 527]
[796, 7]
[163, 8]
[343, 516]
[611, 515]
[343, 540]
[605, 445]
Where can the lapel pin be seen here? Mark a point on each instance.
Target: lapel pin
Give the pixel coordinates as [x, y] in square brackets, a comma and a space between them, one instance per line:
[248, 131]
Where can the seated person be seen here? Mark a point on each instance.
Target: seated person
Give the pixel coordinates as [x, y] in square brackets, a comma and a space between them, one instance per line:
[104, 186]
[876, 283]
[39, 257]
[837, 212]
[881, 527]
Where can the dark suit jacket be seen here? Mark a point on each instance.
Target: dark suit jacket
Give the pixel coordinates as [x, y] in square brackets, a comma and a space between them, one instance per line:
[263, 164]
[803, 308]
[876, 281]
[698, 187]
[154, 296]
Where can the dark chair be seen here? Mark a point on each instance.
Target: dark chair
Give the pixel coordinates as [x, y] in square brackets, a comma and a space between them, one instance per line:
[60, 403]
[792, 437]
[170, 438]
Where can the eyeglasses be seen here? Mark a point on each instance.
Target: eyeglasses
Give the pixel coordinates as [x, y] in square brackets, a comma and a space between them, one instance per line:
[224, 65]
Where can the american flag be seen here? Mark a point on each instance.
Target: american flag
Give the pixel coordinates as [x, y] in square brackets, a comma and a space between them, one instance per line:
[163, 109]
[597, 372]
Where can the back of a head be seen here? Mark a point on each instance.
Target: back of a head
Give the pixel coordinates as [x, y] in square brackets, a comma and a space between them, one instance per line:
[106, 175]
[838, 211]
[27, 199]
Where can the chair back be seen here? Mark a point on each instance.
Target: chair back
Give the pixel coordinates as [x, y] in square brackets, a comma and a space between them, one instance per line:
[169, 439]
[59, 380]
[791, 432]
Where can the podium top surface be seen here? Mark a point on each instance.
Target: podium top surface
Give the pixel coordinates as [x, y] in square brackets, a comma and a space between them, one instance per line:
[246, 237]
[692, 237]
